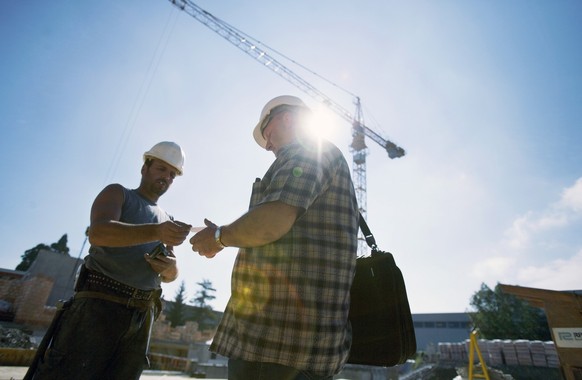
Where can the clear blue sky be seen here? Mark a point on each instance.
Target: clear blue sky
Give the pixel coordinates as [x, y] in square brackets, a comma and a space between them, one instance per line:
[484, 96]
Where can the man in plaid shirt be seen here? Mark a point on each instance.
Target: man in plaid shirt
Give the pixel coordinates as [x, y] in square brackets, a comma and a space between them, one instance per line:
[287, 318]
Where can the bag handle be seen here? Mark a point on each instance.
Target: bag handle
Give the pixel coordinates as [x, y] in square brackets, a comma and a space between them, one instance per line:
[370, 240]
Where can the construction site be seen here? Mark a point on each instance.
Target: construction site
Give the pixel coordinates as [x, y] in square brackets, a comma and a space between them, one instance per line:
[448, 346]
[443, 353]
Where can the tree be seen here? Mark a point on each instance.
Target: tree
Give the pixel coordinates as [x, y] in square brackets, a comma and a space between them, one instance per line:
[61, 245]
[30, 255]
[204, 295]
[177, 311]
[204, 314]
[499, 315]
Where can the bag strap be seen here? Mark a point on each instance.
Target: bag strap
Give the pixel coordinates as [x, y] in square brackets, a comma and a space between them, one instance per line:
[370, 240]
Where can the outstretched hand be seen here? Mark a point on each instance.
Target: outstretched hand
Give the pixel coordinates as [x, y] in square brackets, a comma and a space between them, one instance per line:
[204, 243]
[174, 233]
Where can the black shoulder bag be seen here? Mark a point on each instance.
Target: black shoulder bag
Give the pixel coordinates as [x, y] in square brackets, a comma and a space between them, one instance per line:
[382, 329]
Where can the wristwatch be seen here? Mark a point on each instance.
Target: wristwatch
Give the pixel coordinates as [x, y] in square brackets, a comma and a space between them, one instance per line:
[217, 237]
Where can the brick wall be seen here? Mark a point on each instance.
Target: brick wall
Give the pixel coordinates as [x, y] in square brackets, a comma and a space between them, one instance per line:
[30, 306]
[10, 285]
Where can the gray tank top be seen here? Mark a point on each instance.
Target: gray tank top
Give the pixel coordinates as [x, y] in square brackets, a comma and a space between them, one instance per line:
[127, 264]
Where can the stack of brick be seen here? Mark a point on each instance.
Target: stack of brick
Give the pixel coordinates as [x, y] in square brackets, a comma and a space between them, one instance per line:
[495, 355]
[460, 352]
[452, 352]
[551, 354]
[522, 348]
[538, 353]
[444, 350]
[503, 352]
[509, 354]
[483, 348]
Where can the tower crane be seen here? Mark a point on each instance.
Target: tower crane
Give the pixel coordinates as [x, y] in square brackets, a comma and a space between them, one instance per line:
[358, 147]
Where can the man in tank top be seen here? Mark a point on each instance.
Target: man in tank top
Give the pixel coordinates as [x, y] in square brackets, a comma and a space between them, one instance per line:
[103, 331]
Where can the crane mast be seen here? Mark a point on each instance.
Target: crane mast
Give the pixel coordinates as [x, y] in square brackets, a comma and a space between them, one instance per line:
[358, 147]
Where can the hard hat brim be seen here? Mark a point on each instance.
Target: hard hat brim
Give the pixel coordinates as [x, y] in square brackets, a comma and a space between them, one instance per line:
[258, 135]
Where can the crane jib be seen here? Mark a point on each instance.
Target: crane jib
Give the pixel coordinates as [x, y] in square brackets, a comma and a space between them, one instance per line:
[252, 47]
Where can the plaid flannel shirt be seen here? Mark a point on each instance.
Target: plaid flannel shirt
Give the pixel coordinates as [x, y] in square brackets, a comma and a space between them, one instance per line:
[290, 299]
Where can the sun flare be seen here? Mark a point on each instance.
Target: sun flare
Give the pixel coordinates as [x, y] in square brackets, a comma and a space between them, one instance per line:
[323, 123]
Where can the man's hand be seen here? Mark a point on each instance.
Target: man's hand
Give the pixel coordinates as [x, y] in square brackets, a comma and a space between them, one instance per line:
[173, 233]
[204, 243]
[164, 265]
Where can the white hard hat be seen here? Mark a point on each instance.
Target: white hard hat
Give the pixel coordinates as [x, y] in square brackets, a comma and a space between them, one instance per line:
[170, 153]
[287, 100]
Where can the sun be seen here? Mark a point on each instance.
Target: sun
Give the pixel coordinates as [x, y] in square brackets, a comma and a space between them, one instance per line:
[323, 123]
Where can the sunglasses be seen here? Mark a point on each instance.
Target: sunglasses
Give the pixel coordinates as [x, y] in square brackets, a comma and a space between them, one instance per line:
[274, 112]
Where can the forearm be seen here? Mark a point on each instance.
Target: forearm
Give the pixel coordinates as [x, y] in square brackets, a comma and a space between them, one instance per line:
[118, 234]
[261, 225]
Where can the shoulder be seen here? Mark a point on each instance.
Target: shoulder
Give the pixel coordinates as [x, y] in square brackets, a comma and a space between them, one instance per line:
[115, 188]
[114, 191]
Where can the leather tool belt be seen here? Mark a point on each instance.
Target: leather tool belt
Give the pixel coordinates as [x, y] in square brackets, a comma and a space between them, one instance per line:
[93, 284]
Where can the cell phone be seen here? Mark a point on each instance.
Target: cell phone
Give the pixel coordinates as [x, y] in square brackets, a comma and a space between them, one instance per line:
[160, 249]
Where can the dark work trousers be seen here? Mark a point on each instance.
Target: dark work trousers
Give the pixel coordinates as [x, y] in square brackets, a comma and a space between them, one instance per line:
[244, 370]
[97, 340]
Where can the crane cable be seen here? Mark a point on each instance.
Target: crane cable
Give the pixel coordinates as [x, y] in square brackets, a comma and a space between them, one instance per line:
[142, 94]
[137, 106]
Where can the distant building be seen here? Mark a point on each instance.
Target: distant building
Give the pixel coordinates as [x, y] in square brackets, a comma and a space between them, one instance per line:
[10, 283]
[60, 268]
[33, 295]
[431, 329]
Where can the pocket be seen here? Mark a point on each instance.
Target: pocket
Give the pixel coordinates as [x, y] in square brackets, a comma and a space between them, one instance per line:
[51, 360]
[256, 193]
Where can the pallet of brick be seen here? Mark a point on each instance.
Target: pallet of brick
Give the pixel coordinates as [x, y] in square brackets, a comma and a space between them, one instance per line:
[538, 353]
[509, 354]
[495, 355]
[444, 351]
[459, 352]
[484, 349]
[464, 349]
[522, 348]
[551, 354]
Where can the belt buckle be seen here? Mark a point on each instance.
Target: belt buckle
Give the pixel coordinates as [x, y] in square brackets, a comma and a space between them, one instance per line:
[138, 295]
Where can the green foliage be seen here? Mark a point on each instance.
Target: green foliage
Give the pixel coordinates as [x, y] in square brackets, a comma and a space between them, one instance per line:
[61, 245]
[499, 315]
[204, 314]
[177, 311]
[30, 255]
[205, 294]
